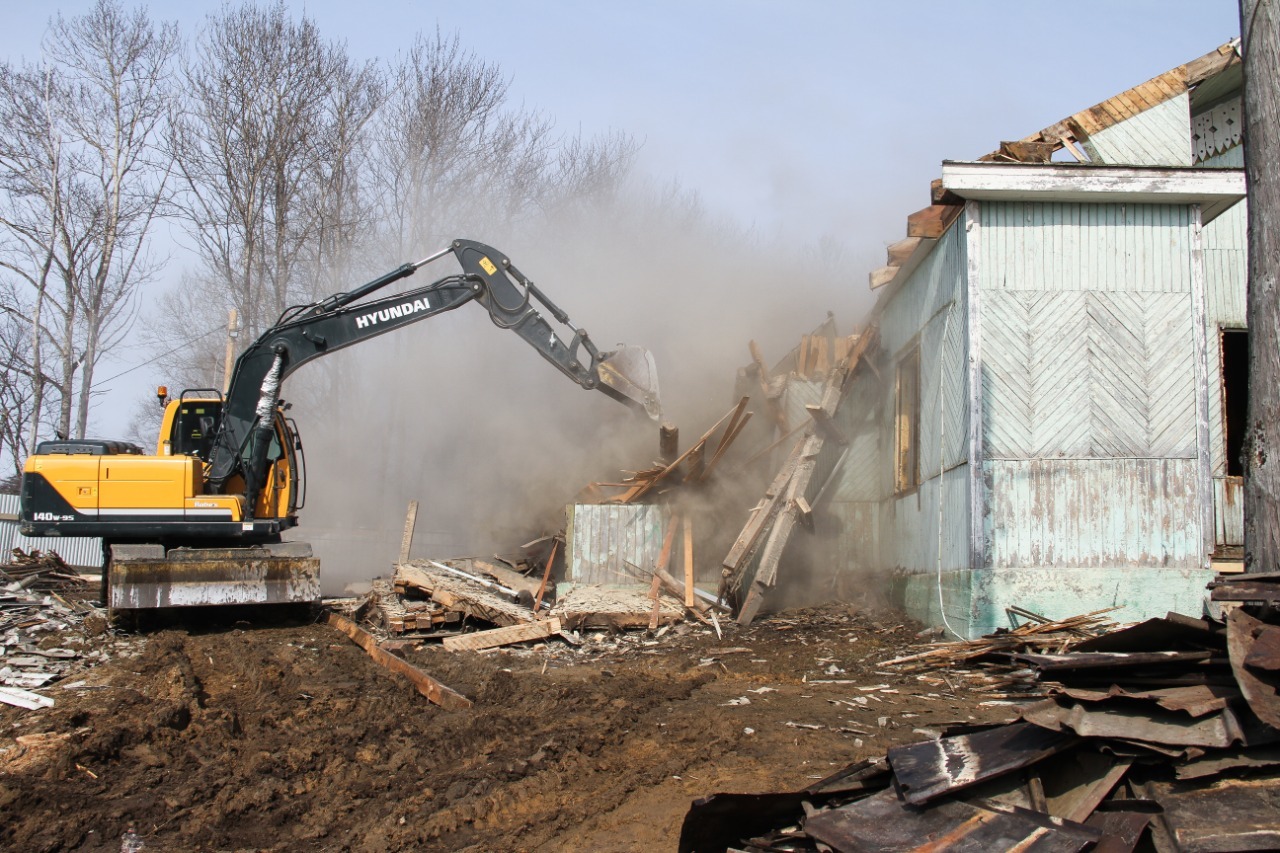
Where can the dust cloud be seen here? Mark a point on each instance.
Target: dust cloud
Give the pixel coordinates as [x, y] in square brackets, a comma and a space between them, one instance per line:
[469, 421]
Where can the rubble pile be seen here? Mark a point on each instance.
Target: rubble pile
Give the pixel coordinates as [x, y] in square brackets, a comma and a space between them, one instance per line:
[42, 600]
[1165, 733]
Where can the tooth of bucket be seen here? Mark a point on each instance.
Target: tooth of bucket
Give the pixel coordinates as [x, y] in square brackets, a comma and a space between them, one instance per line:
[629, 375]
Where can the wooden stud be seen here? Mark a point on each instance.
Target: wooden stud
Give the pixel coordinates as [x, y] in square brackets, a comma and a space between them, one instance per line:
[434, 690]
[933, 221]
[406, 541]
[688, 561]
[495, 637]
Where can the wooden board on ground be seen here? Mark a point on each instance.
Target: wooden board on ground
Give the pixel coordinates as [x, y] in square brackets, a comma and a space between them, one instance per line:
[593, 606]
[503, 636]
[434, 690]
[457, 594]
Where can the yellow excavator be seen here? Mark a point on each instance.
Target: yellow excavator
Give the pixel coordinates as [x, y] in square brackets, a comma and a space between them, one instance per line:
[200, 522]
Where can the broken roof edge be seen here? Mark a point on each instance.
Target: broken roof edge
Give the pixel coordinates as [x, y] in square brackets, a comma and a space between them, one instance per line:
[1129, 103]
[1215, 190]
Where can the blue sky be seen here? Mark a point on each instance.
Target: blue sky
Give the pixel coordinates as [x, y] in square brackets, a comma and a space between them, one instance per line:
[809, 118]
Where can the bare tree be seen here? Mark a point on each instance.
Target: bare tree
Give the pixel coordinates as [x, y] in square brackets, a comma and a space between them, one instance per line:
[1260, 29]
[454, 157]
[267, 141]
[81, 188]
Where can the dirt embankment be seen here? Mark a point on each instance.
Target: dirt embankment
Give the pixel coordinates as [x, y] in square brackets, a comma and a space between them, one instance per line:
[256, 735]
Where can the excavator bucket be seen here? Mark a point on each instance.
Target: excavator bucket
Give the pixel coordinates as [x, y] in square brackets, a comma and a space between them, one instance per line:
[628, 375]
[143, 577]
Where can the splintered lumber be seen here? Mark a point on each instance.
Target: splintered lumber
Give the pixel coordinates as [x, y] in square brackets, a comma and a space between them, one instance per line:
[696, 447]
[437, 692]
[461, 595]
[546, 576]
[495, 637]
[932, 221]
[688, 562]
[762, 371]
[406, 541]
[594, 606]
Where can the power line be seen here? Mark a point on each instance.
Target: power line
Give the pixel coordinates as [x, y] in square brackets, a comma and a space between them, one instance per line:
[212, 331]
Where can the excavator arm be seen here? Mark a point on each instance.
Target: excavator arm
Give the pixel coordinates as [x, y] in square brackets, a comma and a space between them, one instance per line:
[307, 332]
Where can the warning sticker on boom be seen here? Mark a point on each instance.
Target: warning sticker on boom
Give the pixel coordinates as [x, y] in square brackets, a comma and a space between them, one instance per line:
[487, 266]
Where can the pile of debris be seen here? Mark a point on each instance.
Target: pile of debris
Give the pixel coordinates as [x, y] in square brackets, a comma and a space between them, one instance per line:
[39, 595]
[1167, 730]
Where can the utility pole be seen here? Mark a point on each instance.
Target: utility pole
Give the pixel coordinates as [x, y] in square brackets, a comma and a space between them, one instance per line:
[233, 330]
[1260, 41]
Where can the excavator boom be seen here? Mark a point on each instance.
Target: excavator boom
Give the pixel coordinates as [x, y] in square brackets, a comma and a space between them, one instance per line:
[200, 522]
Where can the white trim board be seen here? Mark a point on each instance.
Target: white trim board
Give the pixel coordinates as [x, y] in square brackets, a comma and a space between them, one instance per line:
[1215, 190]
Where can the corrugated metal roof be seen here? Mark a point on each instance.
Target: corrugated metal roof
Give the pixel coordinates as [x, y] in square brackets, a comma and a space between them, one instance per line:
[77, 551]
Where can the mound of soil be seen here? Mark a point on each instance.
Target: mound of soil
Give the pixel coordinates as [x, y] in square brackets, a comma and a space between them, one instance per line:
[257, 734]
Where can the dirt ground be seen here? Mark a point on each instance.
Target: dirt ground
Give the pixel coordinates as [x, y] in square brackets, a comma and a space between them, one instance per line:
[242, 731]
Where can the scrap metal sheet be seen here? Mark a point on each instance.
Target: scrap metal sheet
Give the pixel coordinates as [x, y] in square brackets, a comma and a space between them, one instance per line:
[934, 767]
[1261, 688]
[883, 822]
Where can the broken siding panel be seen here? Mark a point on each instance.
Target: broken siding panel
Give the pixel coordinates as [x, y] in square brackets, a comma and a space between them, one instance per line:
[602, 538]
[799, 393]
[1079, 513]
[1071, 247]
[1228, 511]
[1160, 136]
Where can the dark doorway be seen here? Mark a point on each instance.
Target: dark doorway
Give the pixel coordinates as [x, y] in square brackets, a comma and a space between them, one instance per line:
[1235, 395]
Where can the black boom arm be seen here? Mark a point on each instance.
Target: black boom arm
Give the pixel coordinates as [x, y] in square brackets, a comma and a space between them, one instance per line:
[307, 332]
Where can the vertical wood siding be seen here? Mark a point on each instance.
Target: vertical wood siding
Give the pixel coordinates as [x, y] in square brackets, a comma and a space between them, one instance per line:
[1160, 136]
[1070, 247]
[1079, 513]
[602, 537]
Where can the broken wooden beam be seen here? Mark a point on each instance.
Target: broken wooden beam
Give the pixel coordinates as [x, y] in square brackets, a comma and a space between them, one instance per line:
[932, 222]
[437, 692]
[495, 637]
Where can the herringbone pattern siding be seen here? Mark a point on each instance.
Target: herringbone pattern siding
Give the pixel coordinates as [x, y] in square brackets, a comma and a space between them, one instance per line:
[1088, 374]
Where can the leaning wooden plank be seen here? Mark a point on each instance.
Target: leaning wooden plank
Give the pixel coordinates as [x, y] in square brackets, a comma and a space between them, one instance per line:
[495, 637]
[439, 693]
[406, 541]
[20, 698]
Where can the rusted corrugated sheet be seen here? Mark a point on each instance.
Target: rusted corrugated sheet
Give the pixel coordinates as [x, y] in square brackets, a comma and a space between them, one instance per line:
[74, 550]
[602, 538]
[1093, 513]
